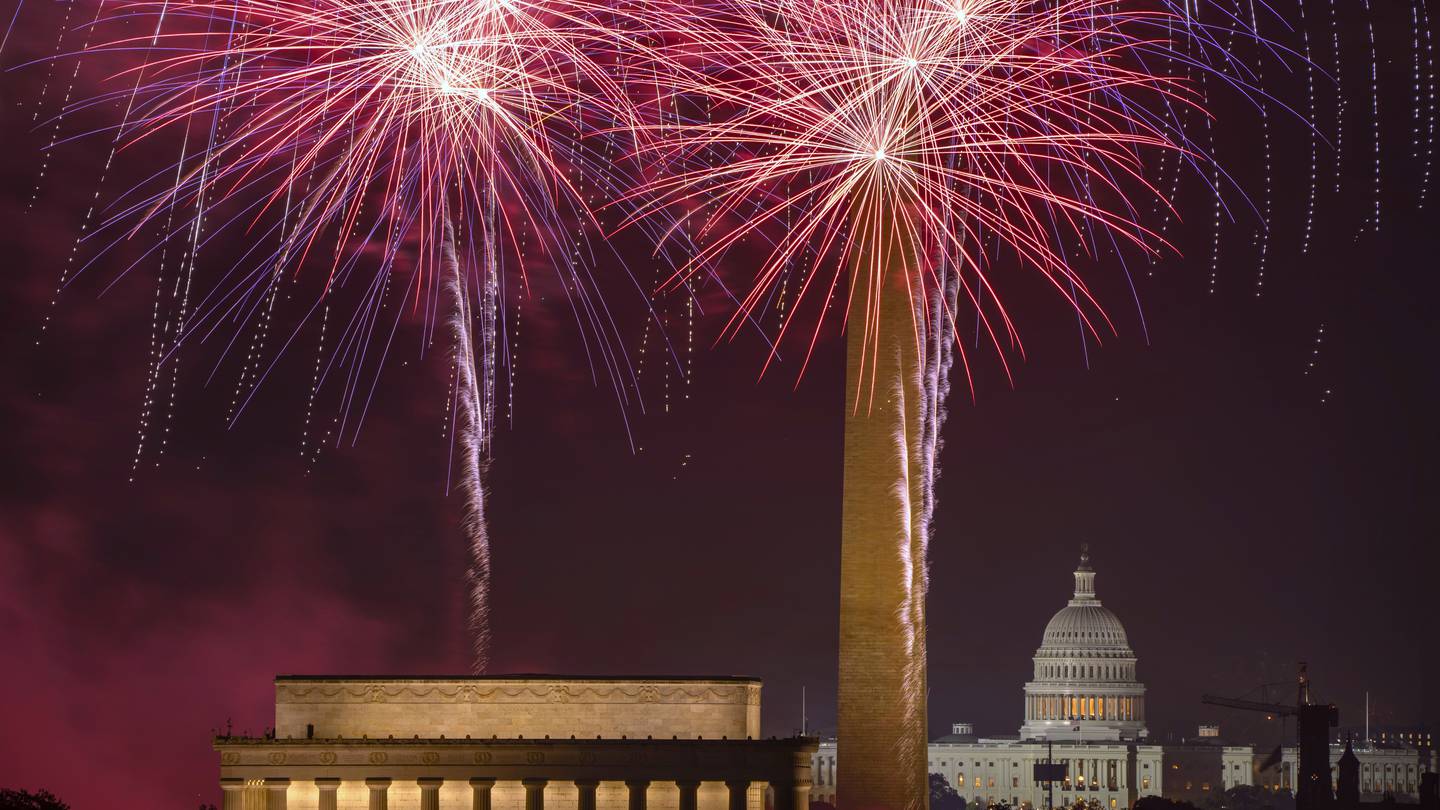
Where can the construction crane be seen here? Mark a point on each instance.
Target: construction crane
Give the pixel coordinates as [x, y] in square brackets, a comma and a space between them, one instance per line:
[1273, 709]
[1313, 789]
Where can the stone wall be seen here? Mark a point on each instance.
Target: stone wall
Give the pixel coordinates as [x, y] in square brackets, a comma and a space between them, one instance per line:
[531, 707]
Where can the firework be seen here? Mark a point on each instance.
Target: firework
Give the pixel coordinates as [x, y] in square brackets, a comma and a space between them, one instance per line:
[966, 122]
[406, 144]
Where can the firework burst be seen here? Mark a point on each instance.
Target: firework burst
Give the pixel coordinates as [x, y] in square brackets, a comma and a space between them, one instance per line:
[416, 143]
[948, 125]
[423, 109]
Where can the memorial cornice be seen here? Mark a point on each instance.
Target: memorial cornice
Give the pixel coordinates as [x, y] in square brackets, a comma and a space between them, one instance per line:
[560, 759]
[724, 691]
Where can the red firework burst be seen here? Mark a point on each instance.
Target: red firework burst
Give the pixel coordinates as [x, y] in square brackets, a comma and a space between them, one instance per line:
[895, 137]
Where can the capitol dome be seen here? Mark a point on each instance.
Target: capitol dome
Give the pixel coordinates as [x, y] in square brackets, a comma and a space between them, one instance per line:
[1084, 685]
[1091, 624]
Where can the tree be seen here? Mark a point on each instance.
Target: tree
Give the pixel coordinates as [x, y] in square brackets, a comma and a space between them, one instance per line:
[942, 796]
[1249, 797]
[25, 800]
[1158, 803]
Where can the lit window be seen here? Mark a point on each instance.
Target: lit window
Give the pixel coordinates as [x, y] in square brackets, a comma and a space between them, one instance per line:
[1145, 783]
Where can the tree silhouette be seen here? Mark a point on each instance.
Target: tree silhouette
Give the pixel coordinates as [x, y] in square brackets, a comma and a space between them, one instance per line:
[1249, 797]
[942, 796]
[25, 800]
[1158, 803]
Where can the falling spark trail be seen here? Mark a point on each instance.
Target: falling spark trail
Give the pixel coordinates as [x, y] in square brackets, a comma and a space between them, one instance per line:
[1339, 81]
[1267, 217]
[1374, 102]
[1422, 24]
[1313, 125]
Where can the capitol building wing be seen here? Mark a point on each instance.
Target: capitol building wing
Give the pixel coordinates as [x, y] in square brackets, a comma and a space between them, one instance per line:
[1084, 686]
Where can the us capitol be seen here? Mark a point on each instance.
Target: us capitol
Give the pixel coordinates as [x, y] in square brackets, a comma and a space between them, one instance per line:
[1085, 709]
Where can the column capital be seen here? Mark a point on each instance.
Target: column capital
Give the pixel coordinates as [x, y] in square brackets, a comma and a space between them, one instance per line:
[534, 781]
[586, 789]
[689, 793]
[377, 782]
[639, 790]
[480, 792]
[739, 793]
[432, 782]
[327, 782]
[276, 782]
[232, 783]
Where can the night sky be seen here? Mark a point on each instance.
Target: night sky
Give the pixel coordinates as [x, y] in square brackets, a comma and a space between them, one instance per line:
[1242, 514]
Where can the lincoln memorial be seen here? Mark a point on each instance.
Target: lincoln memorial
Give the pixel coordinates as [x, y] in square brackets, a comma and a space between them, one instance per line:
[523, 742]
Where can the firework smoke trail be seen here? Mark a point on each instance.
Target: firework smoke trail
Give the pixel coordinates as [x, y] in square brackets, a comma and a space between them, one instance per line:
[910, 546]
[939, 360]
[474, 420]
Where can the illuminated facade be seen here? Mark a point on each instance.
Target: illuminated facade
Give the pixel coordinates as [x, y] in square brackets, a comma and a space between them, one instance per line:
[515, 743]
[1085, 709]
[1385, 769]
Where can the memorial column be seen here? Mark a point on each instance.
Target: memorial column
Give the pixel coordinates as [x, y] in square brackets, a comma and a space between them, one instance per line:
[379, 792]
[637, 789]
[232, 794]
[480, 786]
[689, 794]
[276, 792]
[327, 787]
[739, 795]
[586, 787]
